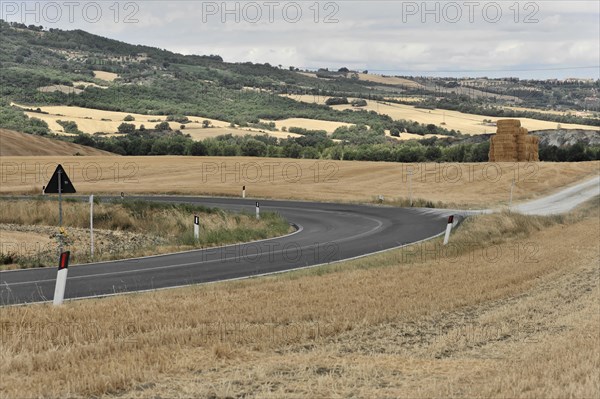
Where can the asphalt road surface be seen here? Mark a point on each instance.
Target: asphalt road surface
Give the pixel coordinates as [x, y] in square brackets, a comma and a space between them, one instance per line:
[325, 233]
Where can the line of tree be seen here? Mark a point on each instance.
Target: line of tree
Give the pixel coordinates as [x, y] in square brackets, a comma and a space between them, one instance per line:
[315, 145]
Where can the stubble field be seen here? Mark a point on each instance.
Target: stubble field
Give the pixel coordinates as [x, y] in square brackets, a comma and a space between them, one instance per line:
[464, 185]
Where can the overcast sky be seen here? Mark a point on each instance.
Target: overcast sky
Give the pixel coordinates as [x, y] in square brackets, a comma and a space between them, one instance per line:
[526, 39]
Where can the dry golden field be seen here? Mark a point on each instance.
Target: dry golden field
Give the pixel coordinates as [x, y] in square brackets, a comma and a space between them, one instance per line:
[108, 76]
[94, 120]
[418, 322]
[466, 123]
[18, 144]
[454, 184]
[201, 133]
[310, 124]
[388, 80]
[91, 120]
[88, 84]
[587, 114]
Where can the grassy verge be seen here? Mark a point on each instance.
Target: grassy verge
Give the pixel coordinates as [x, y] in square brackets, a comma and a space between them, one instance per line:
[413, 322]
[122, 230]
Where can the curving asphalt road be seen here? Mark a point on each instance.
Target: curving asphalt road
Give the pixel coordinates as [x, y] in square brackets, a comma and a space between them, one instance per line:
[325, 233]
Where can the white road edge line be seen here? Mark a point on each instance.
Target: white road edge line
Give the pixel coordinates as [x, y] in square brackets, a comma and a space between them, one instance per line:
[237, 278]
[299, 229]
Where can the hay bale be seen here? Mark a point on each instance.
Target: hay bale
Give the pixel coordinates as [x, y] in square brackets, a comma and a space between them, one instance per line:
[512, 143]
[508, 123]
[505, 132]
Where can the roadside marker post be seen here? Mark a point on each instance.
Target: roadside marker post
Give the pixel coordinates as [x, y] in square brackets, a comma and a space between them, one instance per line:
[410, 173]
[59, 184]
[61, 278]
[244, 192]
[257, 210]
[512, 187]
[92, 225]
[196, 227]
[448, 229]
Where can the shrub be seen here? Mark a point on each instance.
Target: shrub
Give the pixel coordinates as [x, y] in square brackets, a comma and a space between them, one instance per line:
[336, 101]
[126, 128]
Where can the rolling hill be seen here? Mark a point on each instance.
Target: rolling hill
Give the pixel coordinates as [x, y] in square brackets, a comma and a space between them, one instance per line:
[21, 144]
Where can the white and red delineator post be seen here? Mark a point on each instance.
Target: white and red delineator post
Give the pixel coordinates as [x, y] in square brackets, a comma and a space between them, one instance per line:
[243, 191]
[196, 227]
[61, 278]
[257, 210]
[448, 229]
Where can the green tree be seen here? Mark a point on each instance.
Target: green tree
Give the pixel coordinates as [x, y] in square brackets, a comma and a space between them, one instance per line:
[159, 148]
[254, 148]
[310, 153]
[433, 153]
[197, 148]
[126, 128]
[163, 127]
[292, 150]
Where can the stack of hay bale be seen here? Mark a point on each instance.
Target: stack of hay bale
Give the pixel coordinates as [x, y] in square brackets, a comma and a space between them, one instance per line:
[512, 144]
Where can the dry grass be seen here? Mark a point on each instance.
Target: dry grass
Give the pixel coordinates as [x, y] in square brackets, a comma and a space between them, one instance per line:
[20, 144]
[465, 184]
[397, 324]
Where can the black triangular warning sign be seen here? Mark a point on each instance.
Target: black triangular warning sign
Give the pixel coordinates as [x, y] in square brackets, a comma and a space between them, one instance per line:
[66, 187]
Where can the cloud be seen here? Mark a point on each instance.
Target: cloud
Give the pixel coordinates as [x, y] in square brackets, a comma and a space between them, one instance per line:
[380, 35]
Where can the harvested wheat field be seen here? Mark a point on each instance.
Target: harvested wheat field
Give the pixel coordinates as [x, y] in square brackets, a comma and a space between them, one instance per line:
[307, 98]
[201, 133]
[419, 322]
[21, 144]
[466, 123]
[91, 120]
[586, 114]
[309, 124]
[389, 80]
[453, 184]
